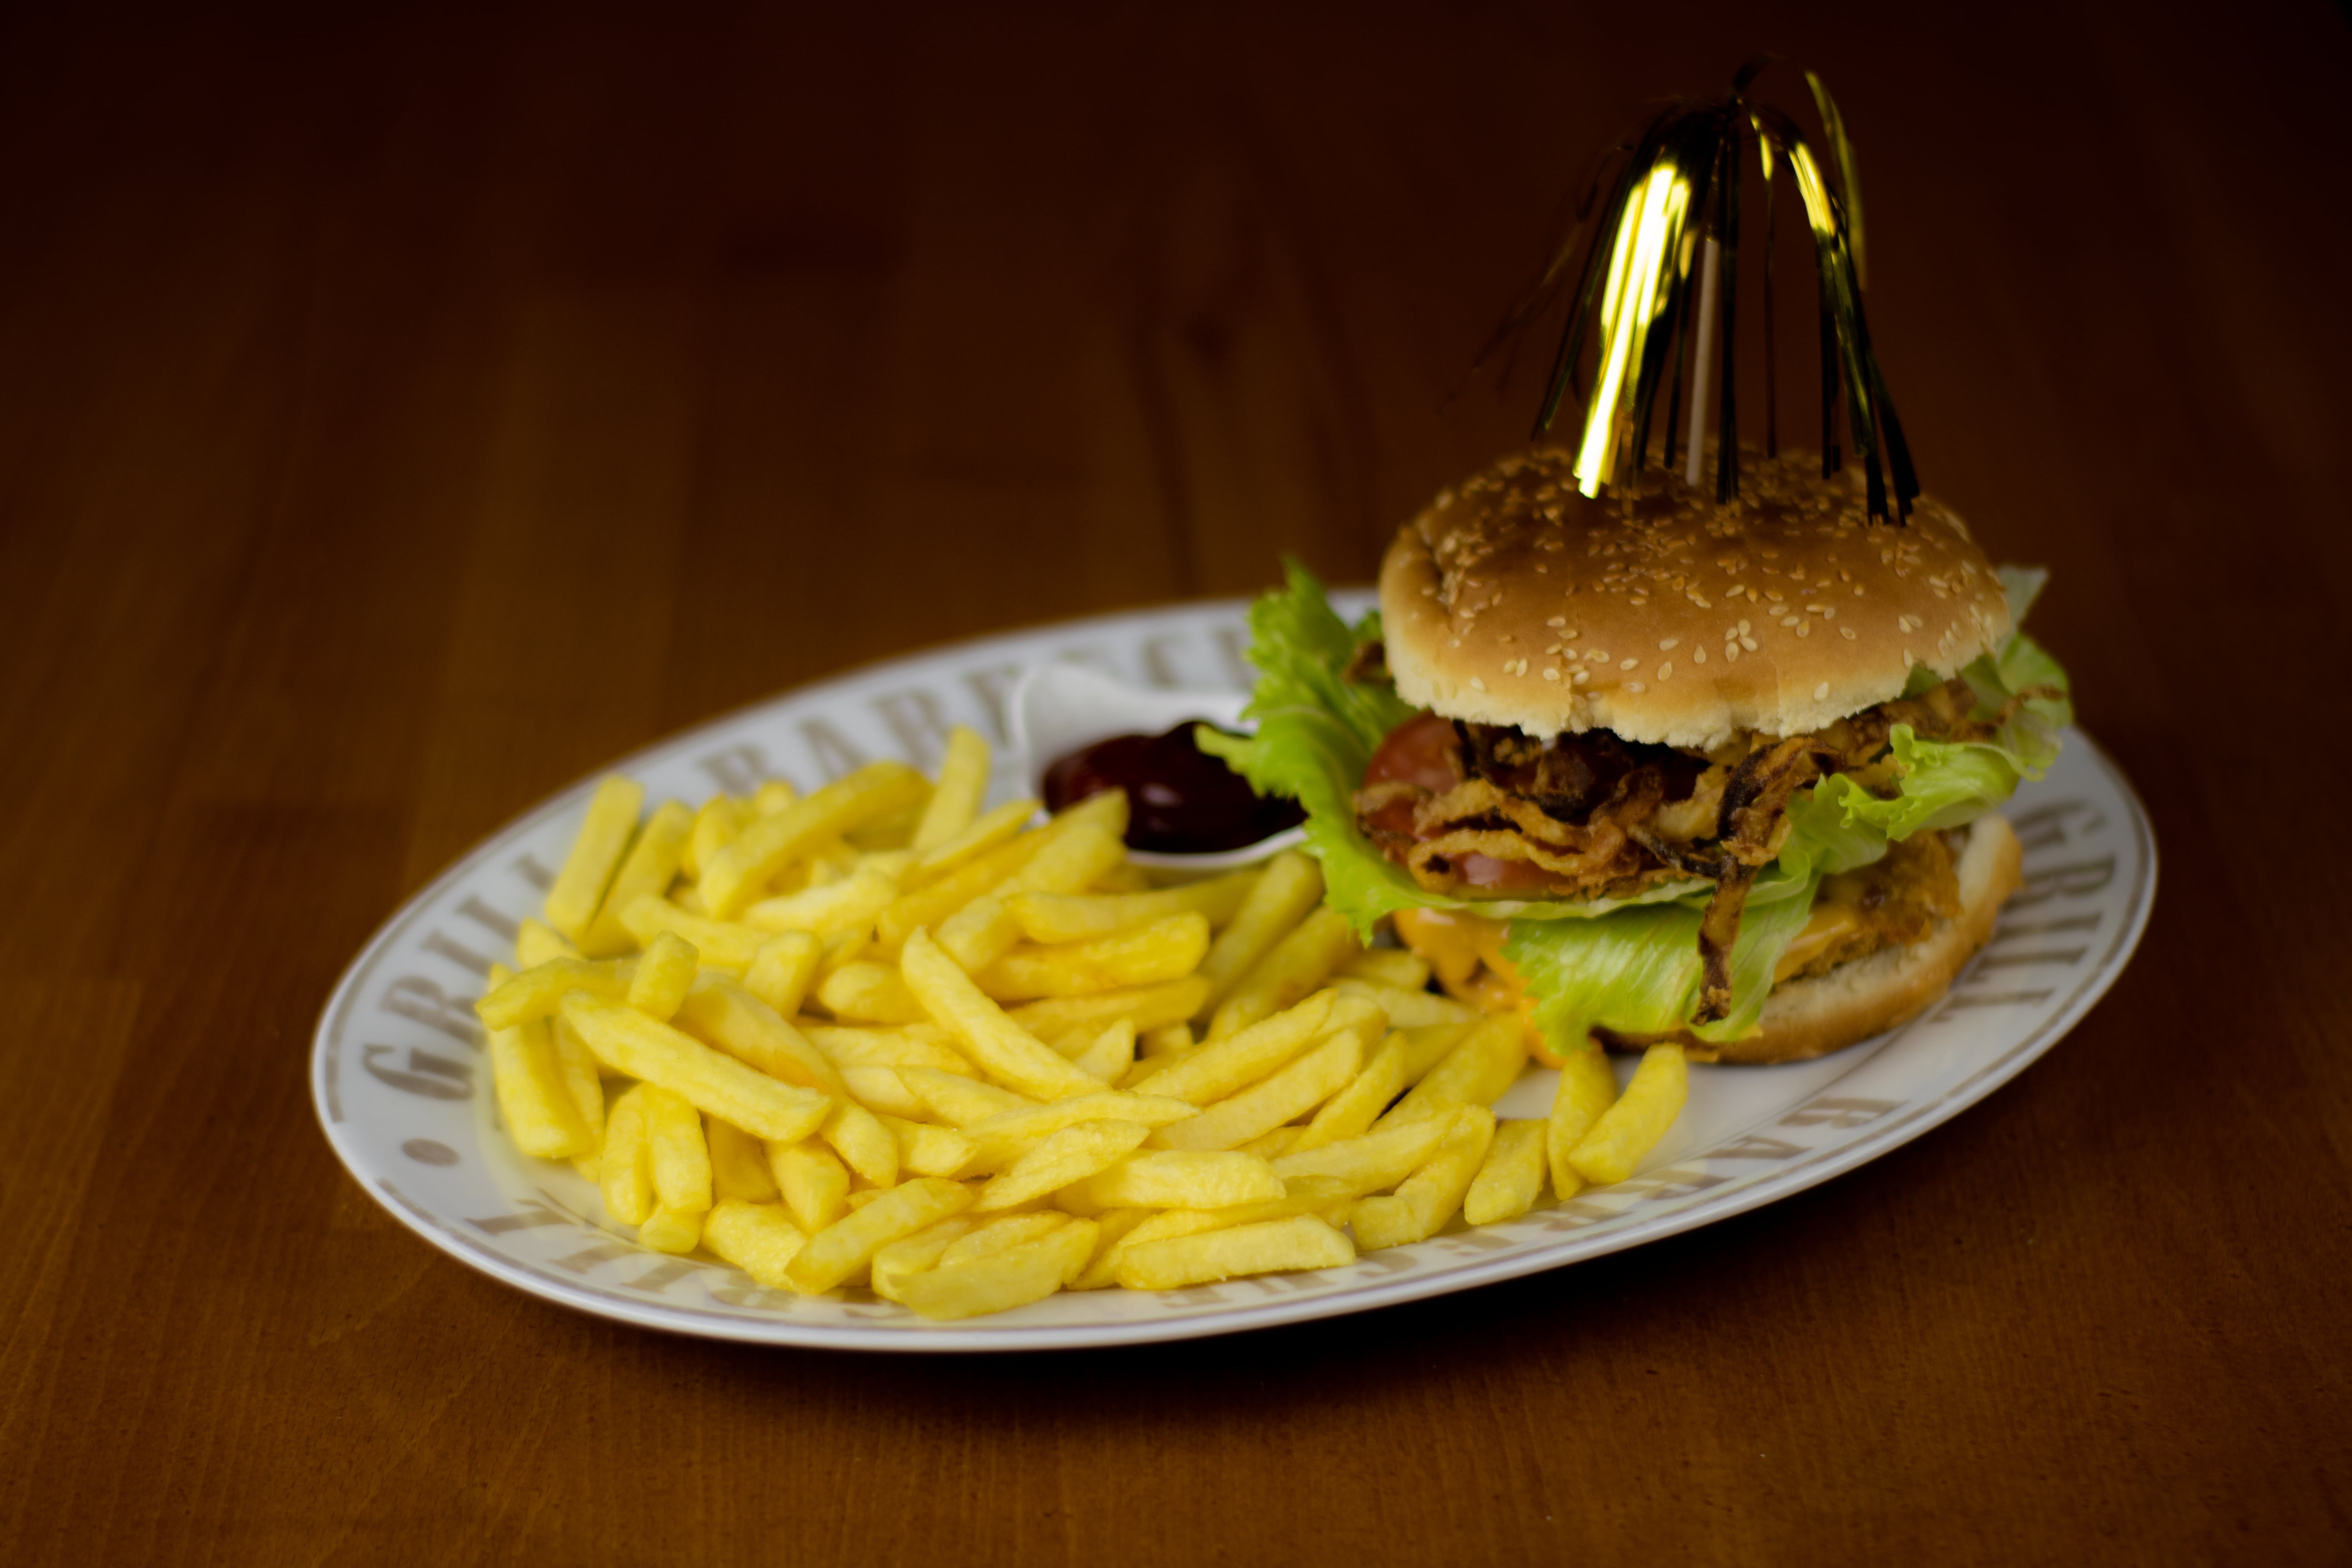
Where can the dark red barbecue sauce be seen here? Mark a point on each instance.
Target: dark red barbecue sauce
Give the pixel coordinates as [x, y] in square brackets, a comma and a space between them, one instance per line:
[1180, 799]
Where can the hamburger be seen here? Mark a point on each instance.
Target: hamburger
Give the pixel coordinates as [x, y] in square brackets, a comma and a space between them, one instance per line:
[1649, 766]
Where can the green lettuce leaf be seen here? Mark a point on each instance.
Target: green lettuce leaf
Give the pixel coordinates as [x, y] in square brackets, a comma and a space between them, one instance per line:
[1632, 965]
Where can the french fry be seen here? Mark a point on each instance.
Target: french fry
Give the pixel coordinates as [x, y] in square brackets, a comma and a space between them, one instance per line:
[1389, 966]
[881, 1089]
[875, 1047]
[1062, 1159]
[831, 911]
[1351, 1112]
[1587, 1088]
[1055, 918]
[968, 845]
[1302, 1241]
[841, 1252]
[715, 1083]
[996, 1045]
[716, 824]
[1294, 966]
[739, 1164]
[1427, 1045]
[1512, 1177]
[1160, 1042]
[1629, 1129]
[1000, 1232]
[1126, 876]
[1145, 1007]
[927, 1150]
[665, 969]
[813, 1181]
[864, 1144]
[576, 1064]
[759, 1238]
[1406, 1009]
[1110, 1055]
[1431, 1195]
[956, 797]
[1290, 886]
[1025, 1271]
[533, 1096]
[903, 1259]
[1488, 1060]
[869, 992]
[649, 867]
[538, 992]
[681, 1173]
[536, 942]
[1184, 1179]
[734, 875]
[929, 902]
[1372, 1163]
[1165, 949]
[1322, 1196]
[1218, 1069]
[725, 1014]
[1111, 1228]
[1291, 1091]
[624, 1169]
[782, 968]
[982, 931]
[773, 796]
[960, 1101]
[595, 854]
[1004, 1136]
[722, 944]
[1274, 1144]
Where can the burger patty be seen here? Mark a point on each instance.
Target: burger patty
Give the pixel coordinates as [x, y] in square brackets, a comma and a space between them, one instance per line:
[1478, 810]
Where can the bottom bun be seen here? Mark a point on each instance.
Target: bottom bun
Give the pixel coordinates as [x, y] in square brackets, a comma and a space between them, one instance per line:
[1825, 1012]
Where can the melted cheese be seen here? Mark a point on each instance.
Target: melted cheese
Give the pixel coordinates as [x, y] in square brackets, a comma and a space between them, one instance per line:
[1829, 924]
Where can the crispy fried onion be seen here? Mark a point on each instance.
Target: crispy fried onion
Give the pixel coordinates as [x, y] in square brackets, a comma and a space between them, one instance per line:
[1754, 822]
[1476, 817]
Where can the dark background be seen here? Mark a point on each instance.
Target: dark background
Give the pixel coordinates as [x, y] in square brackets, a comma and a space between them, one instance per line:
[404, 412]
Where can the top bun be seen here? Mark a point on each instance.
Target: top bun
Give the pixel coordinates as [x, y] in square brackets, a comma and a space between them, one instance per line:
[1658, 614]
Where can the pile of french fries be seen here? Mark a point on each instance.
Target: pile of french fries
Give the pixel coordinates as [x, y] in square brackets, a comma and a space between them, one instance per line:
[878, 1036]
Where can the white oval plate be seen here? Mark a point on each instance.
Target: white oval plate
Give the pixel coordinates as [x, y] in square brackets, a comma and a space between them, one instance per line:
[402, 1088]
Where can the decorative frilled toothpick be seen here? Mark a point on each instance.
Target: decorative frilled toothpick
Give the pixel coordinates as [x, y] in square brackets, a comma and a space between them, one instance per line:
[1673, 199]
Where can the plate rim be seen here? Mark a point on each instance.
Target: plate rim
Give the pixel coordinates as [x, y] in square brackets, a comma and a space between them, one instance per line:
[750, 1326]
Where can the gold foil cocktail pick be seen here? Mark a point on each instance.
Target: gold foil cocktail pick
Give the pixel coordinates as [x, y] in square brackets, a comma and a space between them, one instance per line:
[1671, 191]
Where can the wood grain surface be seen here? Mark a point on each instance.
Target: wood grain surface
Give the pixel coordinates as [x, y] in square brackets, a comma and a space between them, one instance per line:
[403, 413]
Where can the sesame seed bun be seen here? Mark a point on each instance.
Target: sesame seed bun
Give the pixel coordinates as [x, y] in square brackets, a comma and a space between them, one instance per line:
[1819, 1014]
[1655, 612]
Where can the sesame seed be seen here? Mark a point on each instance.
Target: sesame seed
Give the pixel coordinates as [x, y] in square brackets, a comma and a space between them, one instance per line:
[1551, 675]
[1627, 663]
[1699, 656]
[1846, 632]
[1804, 628]
[1557, 621]
[1818, 609]
[1789, 620]
[1580, 677]
[1476, 684]
[1666, 670]
[1822, 691]
[1731, 652]
[1635, 685]
[1666, 645]
[1744, 629]
[1748, 643]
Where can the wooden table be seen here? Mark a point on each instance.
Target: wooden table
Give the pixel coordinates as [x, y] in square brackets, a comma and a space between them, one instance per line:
[401, 417]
